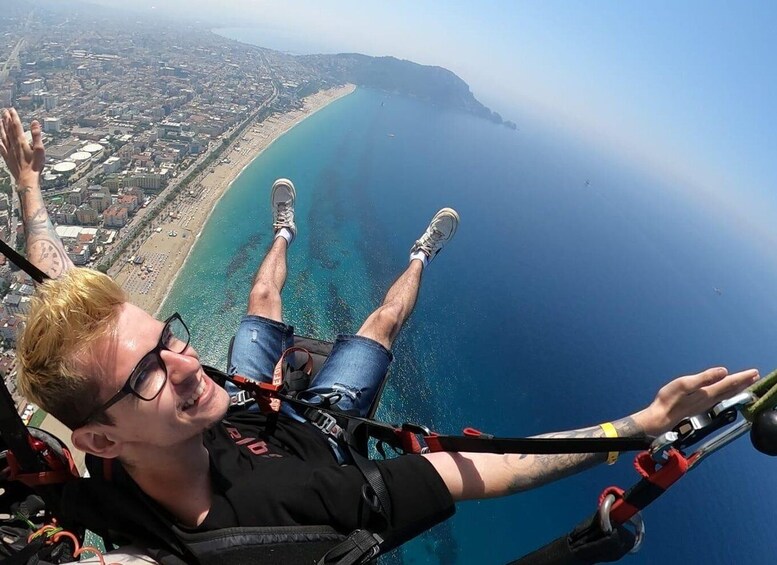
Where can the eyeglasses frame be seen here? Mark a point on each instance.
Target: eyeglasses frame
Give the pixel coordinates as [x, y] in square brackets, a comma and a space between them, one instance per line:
[126, 389]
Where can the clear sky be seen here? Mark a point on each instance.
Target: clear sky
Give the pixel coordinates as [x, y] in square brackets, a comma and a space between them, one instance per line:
[688, 89]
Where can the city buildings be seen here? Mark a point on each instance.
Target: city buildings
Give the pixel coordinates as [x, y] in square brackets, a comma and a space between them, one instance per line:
[129, 109]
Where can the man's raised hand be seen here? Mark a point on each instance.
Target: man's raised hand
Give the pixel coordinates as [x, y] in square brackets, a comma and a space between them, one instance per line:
[24, 161]
[691, 395]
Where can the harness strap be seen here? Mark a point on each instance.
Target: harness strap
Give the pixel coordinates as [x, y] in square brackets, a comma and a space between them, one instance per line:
[59, 467]
[585, 545]
[324, 421]
[273, 403]
[406, 437]
[589, 542]
[654, 483]
[30, 460]
[534, 445]
[380, 501]
[359, 547]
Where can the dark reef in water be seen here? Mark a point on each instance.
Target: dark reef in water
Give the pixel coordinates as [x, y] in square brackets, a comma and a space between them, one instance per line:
[244, 254]
[339, 312]
[229, 300]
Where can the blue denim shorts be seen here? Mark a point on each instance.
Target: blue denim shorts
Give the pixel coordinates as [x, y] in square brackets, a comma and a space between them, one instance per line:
[355, 368]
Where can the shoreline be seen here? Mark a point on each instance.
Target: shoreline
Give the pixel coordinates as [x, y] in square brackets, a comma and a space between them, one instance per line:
[168, 244]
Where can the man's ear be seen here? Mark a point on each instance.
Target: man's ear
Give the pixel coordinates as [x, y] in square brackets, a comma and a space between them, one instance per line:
[95, 439]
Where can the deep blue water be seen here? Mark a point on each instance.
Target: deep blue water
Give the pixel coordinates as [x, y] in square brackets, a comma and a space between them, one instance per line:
[559, 304]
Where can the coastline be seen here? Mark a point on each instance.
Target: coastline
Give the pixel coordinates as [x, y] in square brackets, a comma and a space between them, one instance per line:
[178, 227]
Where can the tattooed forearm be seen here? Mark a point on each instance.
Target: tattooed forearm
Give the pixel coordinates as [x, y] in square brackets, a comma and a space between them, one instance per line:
[49, 256]
[38, 223]
[44, 248]
[536, 470]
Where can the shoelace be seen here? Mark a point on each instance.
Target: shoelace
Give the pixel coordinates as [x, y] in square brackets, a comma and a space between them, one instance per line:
[284, 216]
[430, 242]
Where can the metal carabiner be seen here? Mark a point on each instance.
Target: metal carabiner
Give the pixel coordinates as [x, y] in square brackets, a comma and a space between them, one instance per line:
[636, 521]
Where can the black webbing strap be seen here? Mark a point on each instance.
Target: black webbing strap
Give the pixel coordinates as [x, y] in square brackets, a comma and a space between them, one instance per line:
[22, 262]
[371, 473]
[359, 547]
[536, 445]
[585, 545]
[355, 443]
[483, 443]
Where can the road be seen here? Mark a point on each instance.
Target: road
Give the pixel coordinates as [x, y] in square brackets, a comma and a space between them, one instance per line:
[13, 58]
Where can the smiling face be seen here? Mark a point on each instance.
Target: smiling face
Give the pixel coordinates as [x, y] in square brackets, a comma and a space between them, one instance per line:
[188, 403]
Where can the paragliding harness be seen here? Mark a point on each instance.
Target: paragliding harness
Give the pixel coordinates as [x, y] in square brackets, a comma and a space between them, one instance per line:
[39, 461]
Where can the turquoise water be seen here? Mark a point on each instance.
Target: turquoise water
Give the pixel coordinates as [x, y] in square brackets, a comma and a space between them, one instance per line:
[559, 304]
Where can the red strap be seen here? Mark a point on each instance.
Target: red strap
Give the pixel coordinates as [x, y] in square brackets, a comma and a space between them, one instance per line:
[617, 492]
[263, 392]
[410, 441]
[273, 404]
[665, 476]
[60, 471]
[662, 477]
[43, 478]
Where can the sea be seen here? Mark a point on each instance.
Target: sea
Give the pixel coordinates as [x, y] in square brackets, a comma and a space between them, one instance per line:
[577, 284]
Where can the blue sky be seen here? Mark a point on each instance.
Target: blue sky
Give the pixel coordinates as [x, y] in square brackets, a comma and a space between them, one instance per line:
[686, 89]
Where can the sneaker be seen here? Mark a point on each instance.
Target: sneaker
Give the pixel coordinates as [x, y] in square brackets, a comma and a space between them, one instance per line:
[282, 201]
[440, 231]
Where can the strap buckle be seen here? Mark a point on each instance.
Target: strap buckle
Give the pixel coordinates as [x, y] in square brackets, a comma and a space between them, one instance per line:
[325, 422]
[411, 435]
[361, 546]
[240, 398]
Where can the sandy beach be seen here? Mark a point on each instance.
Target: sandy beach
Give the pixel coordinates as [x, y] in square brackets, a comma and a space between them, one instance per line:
[166, 244]
[164, 254]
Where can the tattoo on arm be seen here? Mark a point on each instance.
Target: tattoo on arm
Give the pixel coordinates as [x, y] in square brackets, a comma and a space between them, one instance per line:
[532, 471]
[44, 248]
[22, 192]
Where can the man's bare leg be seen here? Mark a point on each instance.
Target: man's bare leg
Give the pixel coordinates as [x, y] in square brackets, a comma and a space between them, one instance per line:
[384, 324]
[265, 296]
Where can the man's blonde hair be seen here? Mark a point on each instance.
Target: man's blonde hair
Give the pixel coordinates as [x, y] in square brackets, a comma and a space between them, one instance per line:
[67, 315]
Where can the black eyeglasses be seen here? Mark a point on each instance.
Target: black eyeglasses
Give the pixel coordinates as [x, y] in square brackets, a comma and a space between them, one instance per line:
[149, 376]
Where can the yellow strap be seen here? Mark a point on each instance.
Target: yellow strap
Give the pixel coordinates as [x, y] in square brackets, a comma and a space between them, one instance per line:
[610, 431]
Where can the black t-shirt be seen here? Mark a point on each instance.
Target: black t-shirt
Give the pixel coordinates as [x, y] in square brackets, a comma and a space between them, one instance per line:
[285, 474]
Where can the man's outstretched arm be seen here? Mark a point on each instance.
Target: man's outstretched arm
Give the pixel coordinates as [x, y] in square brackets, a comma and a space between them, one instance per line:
[484, 475]
[44, 248]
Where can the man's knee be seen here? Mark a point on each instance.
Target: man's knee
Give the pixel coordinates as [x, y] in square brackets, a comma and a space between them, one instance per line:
[384, 324]
[264, 300]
